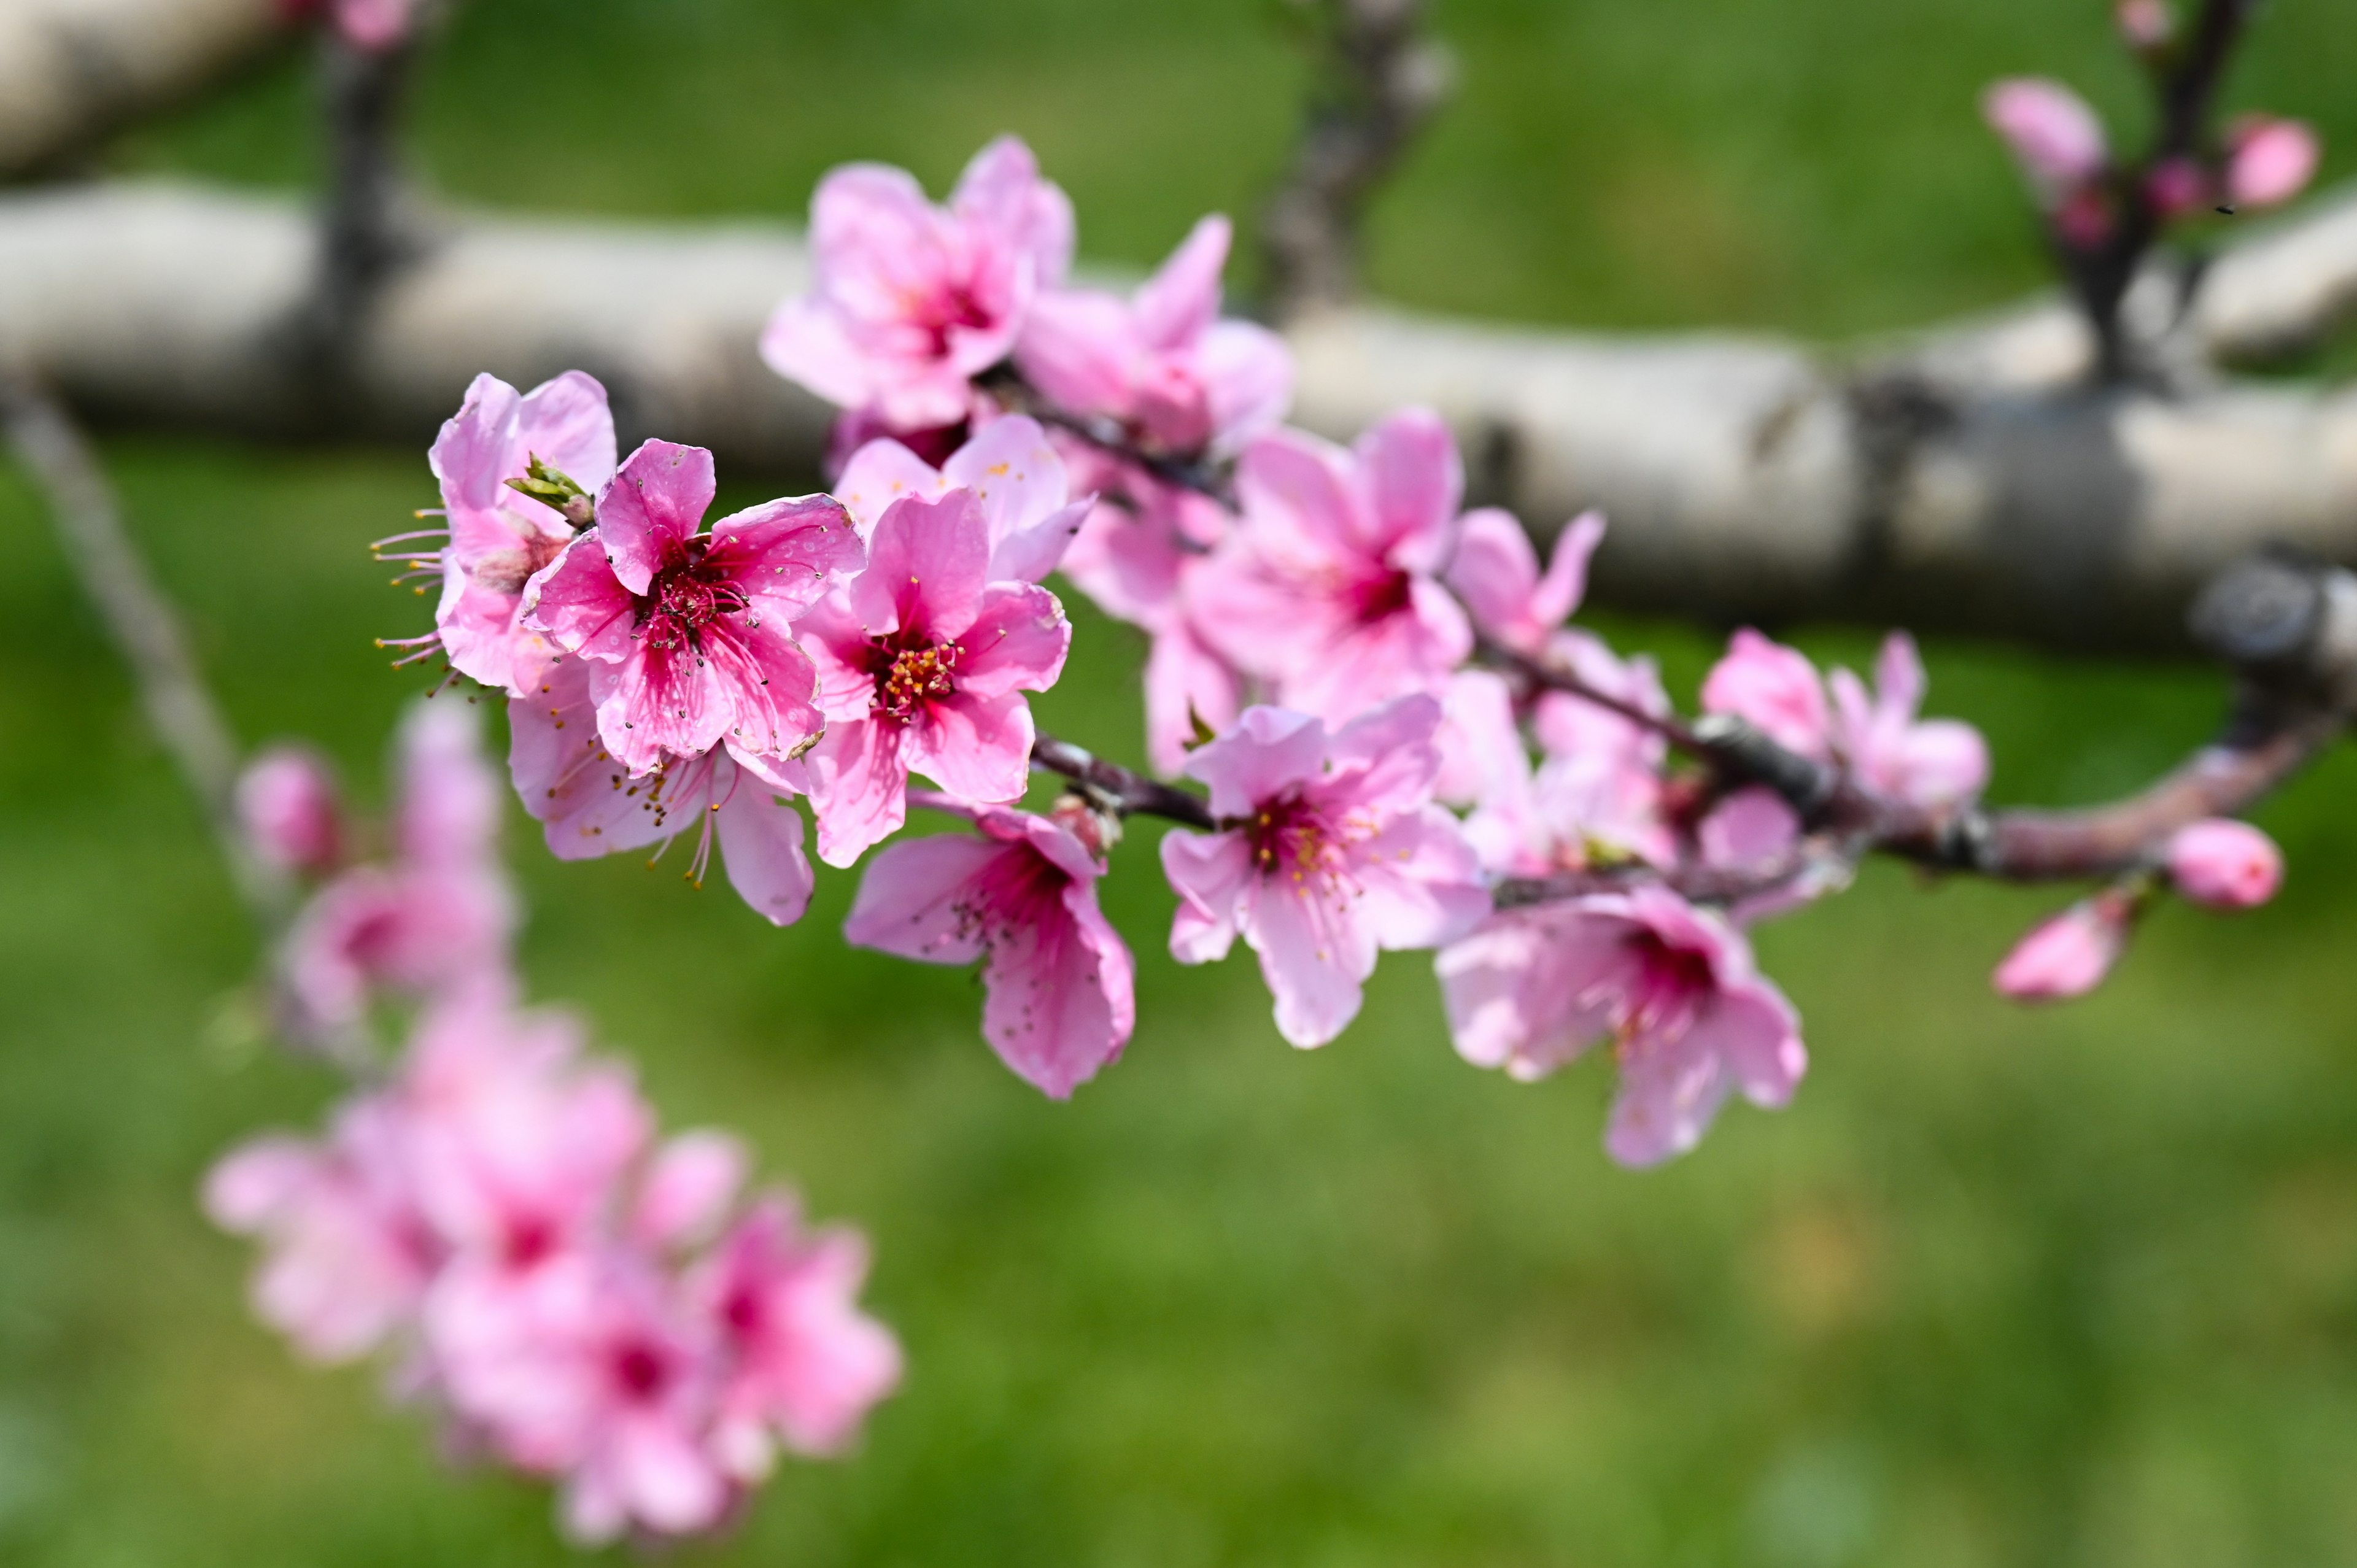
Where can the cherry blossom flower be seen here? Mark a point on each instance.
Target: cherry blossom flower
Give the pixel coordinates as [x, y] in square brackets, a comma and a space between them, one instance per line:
[1673, 986]
[1335, 852]
[346, 1255]
[2269, 161]
[1161, 362]
[923, 662]
[911, 301]
[591, 805]
[1015, 475]
[435, 919]
[1023, 898]
[690, 634]
[1328, 588]
[805, 1364]
[1939, 762]
[2070, 955]
[1775, 690]
[287, 809]
[2058, 138]
[2224, 864]
[1495, 574]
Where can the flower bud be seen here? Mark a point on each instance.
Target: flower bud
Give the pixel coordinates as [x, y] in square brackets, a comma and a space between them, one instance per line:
[2225, 865]
[287, 803]
[2050, 128]
[2070, 955]
[2147, 25]
[2176, 187]
[2270, 161]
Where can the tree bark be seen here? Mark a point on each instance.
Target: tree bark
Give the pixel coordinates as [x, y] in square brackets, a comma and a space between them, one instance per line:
[72, 71]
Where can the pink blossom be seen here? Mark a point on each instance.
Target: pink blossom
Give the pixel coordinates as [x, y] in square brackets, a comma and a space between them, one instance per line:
[1495, 574]
[1943, 762]
[497, 536]
[1775, 689]
[923, 662]
[287, 807]
[691, 633]
[346, 1256]
[2147, 25]
[687, 1189]
[1014, 473]
[806, 1363]
[2269, 161]
[592, 806]
[2224, 864]
[433, 920]
[373, 25]
[911, 301]
[1161, 362]
[1328, 589]
[1335, 851]
[1674, 987]
[1023, 898]
[2177, 186]
[2050, 128]
[2070, 955]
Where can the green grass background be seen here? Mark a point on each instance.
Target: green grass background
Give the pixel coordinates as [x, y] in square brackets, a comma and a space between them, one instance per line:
[2073, 1286]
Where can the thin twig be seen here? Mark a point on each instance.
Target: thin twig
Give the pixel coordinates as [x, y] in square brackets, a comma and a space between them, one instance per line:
[143, 625]
[1122, 789]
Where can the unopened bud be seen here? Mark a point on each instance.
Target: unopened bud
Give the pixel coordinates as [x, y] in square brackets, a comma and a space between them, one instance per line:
[2225, 865]
[287, 803]
[2270, 161]
[2069, 955]
[2147, 25]
[559, 491]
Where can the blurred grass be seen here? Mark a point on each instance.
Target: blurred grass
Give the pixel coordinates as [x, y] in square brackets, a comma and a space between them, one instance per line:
[2003, 1287]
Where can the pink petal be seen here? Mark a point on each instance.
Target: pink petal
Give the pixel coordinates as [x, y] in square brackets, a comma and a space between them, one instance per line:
[2273, 160]
[926, 563]
[807, 343]
[688, 1187]
[1209, 871]
[473, 455]
[1001, 188]
[880, 473]
[1756, 1036]
[784, 554]
[1671, 1091]
[449, 805]
[1079, 347]
[2068, 955]
[1017, 641]
[1016, 475]
[915, 898]
[1247, 374]
[2225, 865]
[2050, 129]
[859, 785]
[567, 423]
[1303, 494]
[761, 846]
[973, 747]
[1749, 827]
[653, 507]
[1416, 479]
[1269, 751]
[567, 778]
[1495, 572]
[255, 1182]
[1313, 954]
[667, 1479]
[1061, 1003]
[580, 603]
[1419, 882]
[1186, 684]
[659, 700]
[1566, 583]
[1181, 300]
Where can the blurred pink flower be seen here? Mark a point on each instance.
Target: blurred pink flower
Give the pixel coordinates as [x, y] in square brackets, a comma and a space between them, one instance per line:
[1674, 987]
[1942, 762]
[1775, 690]
[2051, 130]
[374, 25]
[1495, 574]
[1015, 475]
[1328, 588]
[287, 807]
[2147, 25]
[2070, 955]
[1335, 852]
[2269, 161]
[690, 634]
[1023, 898]
[923, 661]
[911, 301]
[2225, 865]
[1161, 361]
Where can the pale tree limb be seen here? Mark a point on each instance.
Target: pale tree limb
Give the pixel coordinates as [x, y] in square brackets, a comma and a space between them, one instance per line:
[73, 71]
[1956, 480]
[143, 626]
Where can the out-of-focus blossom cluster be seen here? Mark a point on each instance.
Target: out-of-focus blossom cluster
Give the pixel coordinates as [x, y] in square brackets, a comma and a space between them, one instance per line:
[495, 1213]
[2059, 140]
[372, 26]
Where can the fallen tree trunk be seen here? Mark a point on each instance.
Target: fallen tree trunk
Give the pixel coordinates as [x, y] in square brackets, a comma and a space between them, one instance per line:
[72, 71]
[1953, 480]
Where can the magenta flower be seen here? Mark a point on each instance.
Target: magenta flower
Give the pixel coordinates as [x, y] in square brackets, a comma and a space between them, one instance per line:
[434, 920]
[1776, 689]
[923, 662]
[1161, 362]
[691, 633]
[1332, 849]
[2224, 864]
[592, 806]
[1673, 986]
[2070, 955]
[346, 1255]
[805, 1364]
[2269, 161]
[2057, 139]
[1015, 475]
[1328, 591]
[497, 537]
[1495, 572]
[1023, 898]
[911, 301]
[1939, 762]
[288, 808]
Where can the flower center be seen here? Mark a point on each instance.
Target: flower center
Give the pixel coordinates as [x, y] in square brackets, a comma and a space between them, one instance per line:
[1292, 840]
[915, 677]
[1379, 598]
[639, 1368]
[685, 597]
[1672, 984]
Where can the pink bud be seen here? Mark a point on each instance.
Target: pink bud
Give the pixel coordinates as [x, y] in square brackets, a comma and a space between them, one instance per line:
[2070, 955]
[374, 25]
[287, 803]
[2145, 24]
[2050, 129]
[2272, 161]
[2176, 187]
[2084, 218]
[2225, 865]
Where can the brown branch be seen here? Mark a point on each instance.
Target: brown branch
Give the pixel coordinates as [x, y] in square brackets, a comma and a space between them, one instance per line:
[1379, 80]
[143, 625]
[1120, 789]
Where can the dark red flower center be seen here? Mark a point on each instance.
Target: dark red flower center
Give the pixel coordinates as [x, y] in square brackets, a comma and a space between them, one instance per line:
[688, 596]
[1292, 840]
[1379, 598]
[641, 1369]
[1673, 985]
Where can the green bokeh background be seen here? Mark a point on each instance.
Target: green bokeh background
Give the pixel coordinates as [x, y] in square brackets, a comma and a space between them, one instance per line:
[2073, 1286]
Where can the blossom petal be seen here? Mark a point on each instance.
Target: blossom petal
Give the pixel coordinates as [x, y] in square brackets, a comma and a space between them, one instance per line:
[1415, 480]
[926, 563]
[654, 505]
[761, 846]
[859, 785]
[973, 747]
[1017, 642]
[1208, 872]
[1269, 751]
[915, 900]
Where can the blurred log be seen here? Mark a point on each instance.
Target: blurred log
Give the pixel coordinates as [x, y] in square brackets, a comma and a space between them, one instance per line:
[72, 71]
[1952, 480]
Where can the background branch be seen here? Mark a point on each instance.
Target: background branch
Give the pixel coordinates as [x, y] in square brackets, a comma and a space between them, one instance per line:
[73, 71]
